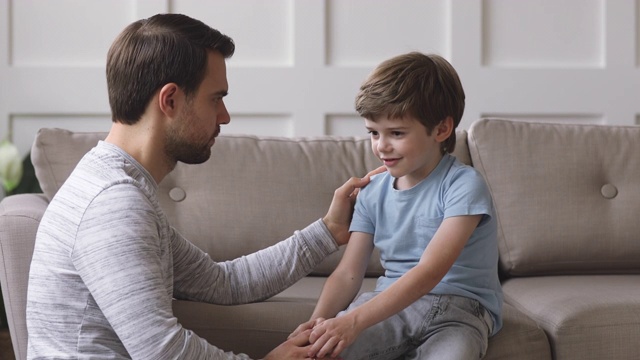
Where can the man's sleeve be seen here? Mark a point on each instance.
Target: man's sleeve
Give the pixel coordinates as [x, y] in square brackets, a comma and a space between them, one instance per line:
[119, 254]
[253, 277]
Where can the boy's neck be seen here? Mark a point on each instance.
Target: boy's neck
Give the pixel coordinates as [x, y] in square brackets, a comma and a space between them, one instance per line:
[407, 182]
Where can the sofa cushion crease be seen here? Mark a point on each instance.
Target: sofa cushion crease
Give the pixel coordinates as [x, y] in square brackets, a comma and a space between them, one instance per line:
[478, 162]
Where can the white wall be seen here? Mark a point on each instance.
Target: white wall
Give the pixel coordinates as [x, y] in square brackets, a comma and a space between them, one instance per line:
[299, 63]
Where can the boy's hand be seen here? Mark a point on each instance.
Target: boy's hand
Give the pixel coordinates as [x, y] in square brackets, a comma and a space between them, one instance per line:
[305, 326]
[340, 211]
[332, 336]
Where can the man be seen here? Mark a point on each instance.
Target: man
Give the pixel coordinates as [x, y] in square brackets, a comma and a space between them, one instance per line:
[106, 263]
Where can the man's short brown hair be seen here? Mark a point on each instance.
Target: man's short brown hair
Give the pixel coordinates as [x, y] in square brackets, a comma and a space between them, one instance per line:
[426, 87]
[150, 53]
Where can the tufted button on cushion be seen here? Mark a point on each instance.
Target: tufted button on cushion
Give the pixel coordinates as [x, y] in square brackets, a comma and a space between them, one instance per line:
[609, 191]
[177, 194]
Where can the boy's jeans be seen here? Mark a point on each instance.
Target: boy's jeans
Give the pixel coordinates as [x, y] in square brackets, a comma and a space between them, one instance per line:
[434, 327]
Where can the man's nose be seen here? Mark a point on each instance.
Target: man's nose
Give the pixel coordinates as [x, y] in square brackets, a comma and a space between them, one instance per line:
[224, 117]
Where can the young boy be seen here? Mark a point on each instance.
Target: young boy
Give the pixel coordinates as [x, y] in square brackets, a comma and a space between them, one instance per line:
[433, 221]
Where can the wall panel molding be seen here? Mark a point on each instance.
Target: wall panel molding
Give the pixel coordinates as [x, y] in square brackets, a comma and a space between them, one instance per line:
[544, 33]
[26, 125]
[299, 64]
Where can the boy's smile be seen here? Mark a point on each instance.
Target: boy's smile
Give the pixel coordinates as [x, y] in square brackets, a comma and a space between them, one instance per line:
[405, 148]
[390, 162]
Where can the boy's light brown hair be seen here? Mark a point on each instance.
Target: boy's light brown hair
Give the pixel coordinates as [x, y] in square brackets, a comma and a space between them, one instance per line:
[426, 87]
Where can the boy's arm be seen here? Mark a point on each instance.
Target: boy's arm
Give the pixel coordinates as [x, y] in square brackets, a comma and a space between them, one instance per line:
[334, 335]
[344, 282]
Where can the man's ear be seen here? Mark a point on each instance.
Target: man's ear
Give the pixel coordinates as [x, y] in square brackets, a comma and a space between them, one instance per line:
[444, 129]
[168, 98]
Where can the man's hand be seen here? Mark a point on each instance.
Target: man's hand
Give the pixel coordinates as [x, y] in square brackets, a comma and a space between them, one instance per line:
[340, 211]
[296, 347]
[305, 326]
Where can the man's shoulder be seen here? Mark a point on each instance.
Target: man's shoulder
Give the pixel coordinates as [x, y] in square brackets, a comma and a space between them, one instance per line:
[92, 176]
[96, 182]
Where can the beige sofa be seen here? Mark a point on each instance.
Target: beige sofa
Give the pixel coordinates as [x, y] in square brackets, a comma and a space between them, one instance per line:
[567, 199]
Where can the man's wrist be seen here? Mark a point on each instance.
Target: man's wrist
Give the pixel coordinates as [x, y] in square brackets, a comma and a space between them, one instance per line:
[339, 233]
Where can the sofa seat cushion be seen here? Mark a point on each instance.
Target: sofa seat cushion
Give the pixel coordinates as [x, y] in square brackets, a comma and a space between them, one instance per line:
[269, 323]
[255, 329]
[520, 338]
[252, 329]
[585, 317]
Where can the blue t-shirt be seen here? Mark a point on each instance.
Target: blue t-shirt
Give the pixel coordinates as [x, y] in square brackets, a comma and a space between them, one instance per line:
[404, 221]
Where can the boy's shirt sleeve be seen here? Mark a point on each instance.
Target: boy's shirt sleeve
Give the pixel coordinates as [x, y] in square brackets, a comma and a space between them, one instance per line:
[363, 219]
[467, 194]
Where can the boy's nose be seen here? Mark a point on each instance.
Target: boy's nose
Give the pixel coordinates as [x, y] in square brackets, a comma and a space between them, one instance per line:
[383, 146]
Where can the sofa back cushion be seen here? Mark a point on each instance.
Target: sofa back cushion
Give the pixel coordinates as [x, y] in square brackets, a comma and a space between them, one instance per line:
[251, 193]
[567, 196]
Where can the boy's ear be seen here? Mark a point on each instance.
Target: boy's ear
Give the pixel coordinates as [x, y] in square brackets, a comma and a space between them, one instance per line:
[444, 129]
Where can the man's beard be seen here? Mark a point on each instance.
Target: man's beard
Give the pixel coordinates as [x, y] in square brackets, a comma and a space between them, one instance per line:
[179, 148]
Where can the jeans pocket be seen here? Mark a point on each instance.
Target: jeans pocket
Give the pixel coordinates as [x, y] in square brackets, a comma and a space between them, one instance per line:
[484, 315]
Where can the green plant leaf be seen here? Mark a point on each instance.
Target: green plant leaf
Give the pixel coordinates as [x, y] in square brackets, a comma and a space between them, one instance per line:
[10, 166]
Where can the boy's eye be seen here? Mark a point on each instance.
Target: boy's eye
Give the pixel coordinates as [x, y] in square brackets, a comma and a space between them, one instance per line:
[397, 133]
[374, 133]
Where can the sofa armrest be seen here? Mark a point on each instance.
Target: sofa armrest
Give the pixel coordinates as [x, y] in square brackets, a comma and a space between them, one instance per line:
[19, 219]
